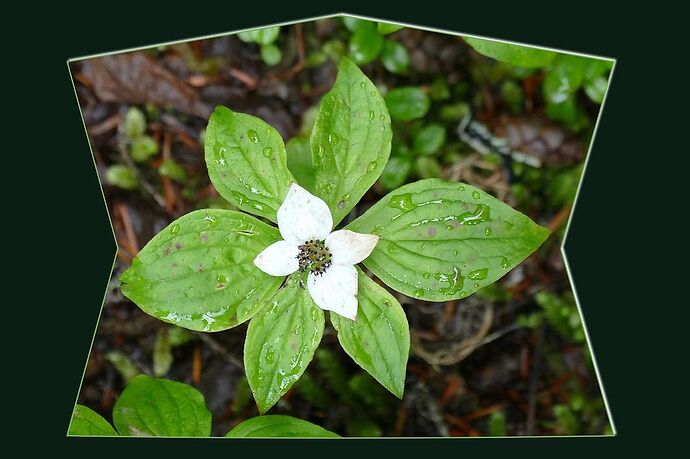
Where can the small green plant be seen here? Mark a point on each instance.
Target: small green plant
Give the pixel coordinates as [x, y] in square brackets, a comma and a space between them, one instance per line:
[265, 38]
[565, 76]
[153, 407]
[214, 269]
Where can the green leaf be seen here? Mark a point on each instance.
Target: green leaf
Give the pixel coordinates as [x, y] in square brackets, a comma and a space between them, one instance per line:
[299, 162]
[134, 124]
[162, 353]
[86, 422]
[407, 103]
[564, 77]
[122, 176]
[365, 44]
[278, 426]
[428, 167]
[355, 24]
[429, 139]
[396, 172]
[441, 241]
[379, 339]
[246, 162]
[150, 407]
[169, 168]
[199, 272]
[263, 36]
[394, 57]
[385, 28]
[596, 88]
[143, 148]
[267, 35]
[351, 140]
[271, 54]
[123, 364]
[518, 55]
[280, 343]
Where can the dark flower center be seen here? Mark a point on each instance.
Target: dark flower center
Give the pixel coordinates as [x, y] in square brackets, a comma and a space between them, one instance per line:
[314, 257]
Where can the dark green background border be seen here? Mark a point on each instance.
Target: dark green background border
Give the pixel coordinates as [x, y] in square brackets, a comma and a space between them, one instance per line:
[47, 357]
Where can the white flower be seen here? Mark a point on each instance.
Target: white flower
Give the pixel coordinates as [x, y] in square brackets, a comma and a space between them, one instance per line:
[305, 222]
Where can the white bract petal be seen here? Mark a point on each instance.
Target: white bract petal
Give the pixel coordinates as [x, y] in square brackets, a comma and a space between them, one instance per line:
[350, 248]
[303, 216]
[278, 259]
[335, 290]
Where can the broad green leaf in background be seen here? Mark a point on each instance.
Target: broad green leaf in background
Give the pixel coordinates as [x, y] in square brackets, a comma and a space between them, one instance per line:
[441, 240]
[278, 426]
[365, 45]
[351, 140]
[385, 28]
[198, 273]
[394, 57]
[246, 162]
[396, 172]
[151, 407]
[280, 343]
[379, 340]
[86, 422]
[299, 162]
[407, 103]
[517, 55]
[429, 139]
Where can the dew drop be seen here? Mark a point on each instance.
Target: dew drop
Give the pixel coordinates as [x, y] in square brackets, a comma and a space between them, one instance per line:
[270, 355]
[268, 151]
[478, 274]
[402, 202]
[488, 231]
[476, 195]
[371, 166]
[504, 263]
[362, 85]
[426, 275]
[372, 114]
[175, 229]
[253, 136]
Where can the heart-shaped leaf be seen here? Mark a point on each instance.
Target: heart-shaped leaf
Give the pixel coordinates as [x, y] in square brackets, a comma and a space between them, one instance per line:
[246, 162]
[280, 343]
[351, 140]
[379, 339]
[518, 55]
[151, 407]
[278, 426]
[441, 240]
[87, 423]
[198, 273]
